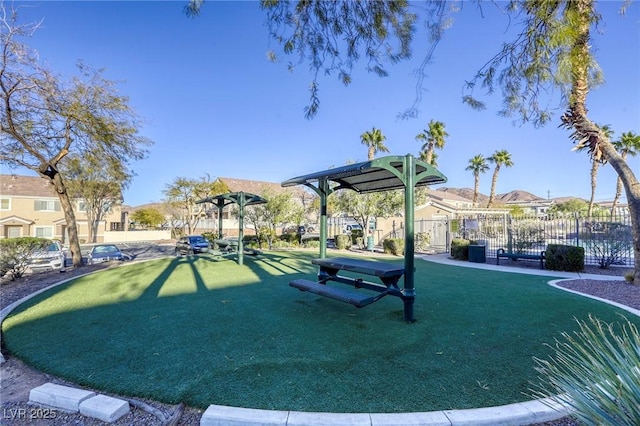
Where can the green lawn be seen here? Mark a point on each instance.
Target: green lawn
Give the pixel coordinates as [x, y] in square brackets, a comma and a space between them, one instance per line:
[204, 331]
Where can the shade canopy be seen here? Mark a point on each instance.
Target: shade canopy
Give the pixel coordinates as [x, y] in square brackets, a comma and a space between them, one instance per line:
[381, 174]
[243, 199]
[234, 197]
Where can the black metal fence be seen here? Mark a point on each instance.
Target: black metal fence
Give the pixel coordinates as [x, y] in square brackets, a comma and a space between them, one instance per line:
[606, 240]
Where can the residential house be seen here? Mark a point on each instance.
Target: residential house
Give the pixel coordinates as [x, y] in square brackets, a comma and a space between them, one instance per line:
[442, 217]
[29, 206]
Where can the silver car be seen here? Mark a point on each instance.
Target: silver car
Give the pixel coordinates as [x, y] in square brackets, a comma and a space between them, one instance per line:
[51, 257]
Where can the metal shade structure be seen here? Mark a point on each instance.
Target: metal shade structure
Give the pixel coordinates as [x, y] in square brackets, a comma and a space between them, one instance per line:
[243, 199]
[381, 174]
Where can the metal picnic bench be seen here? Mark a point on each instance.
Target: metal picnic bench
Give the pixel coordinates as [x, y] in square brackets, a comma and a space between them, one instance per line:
[380, 174]
[537, 256]
[388, 273]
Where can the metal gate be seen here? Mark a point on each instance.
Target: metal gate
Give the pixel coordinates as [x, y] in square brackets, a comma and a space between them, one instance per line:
[432, 235]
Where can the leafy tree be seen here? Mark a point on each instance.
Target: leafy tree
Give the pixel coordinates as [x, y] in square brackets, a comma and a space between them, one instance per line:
[575, 205]
[278, 210]
[628, 144]
[364, 207]
[477, 164]
[148, 217]
[499, 158]
[551, 53]
[374, 140]
[183, 193]
[99, 182]
[44, 119]
[433, 137]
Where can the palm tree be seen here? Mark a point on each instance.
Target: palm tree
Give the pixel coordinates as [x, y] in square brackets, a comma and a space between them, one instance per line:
[628, 144]
[499, 158]
[595, 165]
[477, 165]
[432, 138]
[434, 158]
[374, 140]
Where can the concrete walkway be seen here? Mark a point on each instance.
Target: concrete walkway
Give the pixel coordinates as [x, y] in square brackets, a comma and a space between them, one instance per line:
[524, 413]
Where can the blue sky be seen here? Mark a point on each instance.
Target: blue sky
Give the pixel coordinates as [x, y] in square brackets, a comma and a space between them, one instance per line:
[215, 105]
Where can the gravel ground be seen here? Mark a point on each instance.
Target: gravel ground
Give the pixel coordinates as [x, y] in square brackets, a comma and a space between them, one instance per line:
[18, 379]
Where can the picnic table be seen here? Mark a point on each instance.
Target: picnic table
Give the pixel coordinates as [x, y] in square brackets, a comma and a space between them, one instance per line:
[388, 273]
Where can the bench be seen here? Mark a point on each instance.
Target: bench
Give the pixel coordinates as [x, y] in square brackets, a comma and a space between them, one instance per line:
[515, 256]
[388, 273]
[357, 299]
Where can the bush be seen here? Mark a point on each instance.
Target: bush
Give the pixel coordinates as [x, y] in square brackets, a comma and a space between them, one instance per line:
[561, 257]
[342, 241]
[355, 234]
[611, 245]
[422, 240]
[460, 249]
[312, 243]
[211, 237]
[15, 254]
[595, 372]
[393, 246]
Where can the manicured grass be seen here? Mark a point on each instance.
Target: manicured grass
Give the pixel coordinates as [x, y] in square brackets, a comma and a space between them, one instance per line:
[204, 331]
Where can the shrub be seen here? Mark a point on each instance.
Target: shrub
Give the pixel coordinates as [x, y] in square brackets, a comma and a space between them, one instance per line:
[393, 246]
[355, 234]
[342, 241]
[422, 240]
[15, 254]
[628, 277]
[611, 245]
[312, 243]
[561, 257]
[525, 234]
[596, 372]
[460, 249]
[210, 236]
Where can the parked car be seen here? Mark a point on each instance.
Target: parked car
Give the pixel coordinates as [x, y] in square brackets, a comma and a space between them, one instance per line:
[52, 257]
[192, 244]
[352, 227]
[104, 253]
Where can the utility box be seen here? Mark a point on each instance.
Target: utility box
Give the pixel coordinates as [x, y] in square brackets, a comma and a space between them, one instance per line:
[370, 242]
[477, 253]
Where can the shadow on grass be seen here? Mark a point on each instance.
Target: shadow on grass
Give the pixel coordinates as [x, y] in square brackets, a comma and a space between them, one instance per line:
[204, 330]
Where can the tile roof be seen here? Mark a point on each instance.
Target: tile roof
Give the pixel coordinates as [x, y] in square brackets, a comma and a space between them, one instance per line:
[256, 186]
[26, 186]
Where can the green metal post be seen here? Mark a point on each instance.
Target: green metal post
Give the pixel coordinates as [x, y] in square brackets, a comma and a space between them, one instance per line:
[323, 192]
[241, 202]
[409, 186]
[220, 205]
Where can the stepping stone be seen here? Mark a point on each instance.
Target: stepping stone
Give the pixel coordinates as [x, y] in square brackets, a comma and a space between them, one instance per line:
[58, 396]
[104, 408]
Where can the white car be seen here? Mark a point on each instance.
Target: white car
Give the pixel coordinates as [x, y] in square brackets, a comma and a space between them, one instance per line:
[52, 257]
[352, 227]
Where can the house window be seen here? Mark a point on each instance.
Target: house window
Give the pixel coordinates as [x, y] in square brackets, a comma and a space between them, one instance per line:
[5, 203]
[44, 231]
[82, 206]
[116, 226]
[47, 205]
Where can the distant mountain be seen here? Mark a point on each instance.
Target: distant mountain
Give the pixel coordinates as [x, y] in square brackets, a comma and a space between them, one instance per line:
[516, 195]
[465, 193]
